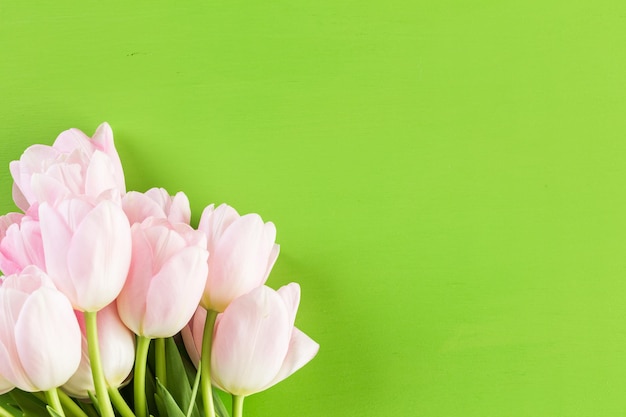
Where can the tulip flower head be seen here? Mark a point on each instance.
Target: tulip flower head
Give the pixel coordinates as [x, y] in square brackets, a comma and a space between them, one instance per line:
[117, 349]
[74, 165]
[156, 202]
[39, 334]
[255, 343]
[167, 275]
[87, 249]
[20, 243]
[243, 252]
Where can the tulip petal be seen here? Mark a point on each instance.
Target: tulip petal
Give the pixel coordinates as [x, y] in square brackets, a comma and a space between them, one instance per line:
[21, 246]
[139, 207]
[290, 294]
[99, 176]
[272, 260]
[30, 162]
[18, 198]
[182, 278]
[238, 263]
[214, 222]
[71, 140]
[131, 302]
[99, 256]
[192, 335]
[56, 236]
[251, 342]
[47, 319]
[49, 189]
[301, 350]
[179, 210]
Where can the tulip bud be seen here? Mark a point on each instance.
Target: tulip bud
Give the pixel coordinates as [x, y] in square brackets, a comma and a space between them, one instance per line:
[73, 166]
[242, 252]
[20, 243]
[255, 343]
[156, 202]
[39, 334]
[117, 353]
[87, 250]
[166, 278]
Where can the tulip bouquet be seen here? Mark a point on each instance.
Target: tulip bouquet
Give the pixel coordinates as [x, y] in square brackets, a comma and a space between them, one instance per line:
[112, 304]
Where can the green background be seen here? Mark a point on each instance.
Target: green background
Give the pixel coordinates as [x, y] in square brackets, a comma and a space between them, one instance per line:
[447, 178]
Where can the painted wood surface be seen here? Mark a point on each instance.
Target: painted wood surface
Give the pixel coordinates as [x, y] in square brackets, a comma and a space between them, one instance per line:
[447, 178]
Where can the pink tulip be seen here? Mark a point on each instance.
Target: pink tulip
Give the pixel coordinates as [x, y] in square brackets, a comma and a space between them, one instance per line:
[117, 353]
[5, 385]
[156, 202]
[20, 243]
[87, 249]
[39, 334]
[255, 343]
[166, 278]
[74, 165]
[242, 252]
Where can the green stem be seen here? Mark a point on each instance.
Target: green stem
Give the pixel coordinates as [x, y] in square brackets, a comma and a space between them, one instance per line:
[52, 397]
[69, 404]
[120, 403]
[139, 383]
[91, 325]
[205, 378]
[238, 405]
[159, 353]
[194, 391]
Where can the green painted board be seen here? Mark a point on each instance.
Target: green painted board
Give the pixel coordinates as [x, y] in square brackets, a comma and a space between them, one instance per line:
[448, 178]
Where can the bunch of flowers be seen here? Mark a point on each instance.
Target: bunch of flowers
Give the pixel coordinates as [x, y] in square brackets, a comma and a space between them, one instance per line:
[102, 287]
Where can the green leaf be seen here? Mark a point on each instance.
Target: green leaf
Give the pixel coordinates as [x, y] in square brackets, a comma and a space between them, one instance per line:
[7, 403]
[178, 381]
[150, 392]
[30, 405]
[89, 409]
[53, 412]
[219, 404]
[166, 402]
[94, 401]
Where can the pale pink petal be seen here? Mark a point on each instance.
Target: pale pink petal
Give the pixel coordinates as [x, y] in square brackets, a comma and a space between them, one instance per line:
[131, 302]
[103, 140]
[271, 260]
[50, 190]
[238, 262]
[165, 242]
[21, 246]
[251, 342]
[179, 210]
[19, 199]
[47, 319]
[159, 196]
[99, 256]
[100, 175]
[56, 236]
[175, 292]
[117, 351]
[214, 222]
[5, 385]
[139, 207]
[301, 350]
[70, 175]
[290, 294]
[7, 220]
[73, 139]
[192, 335]
[34, 160]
